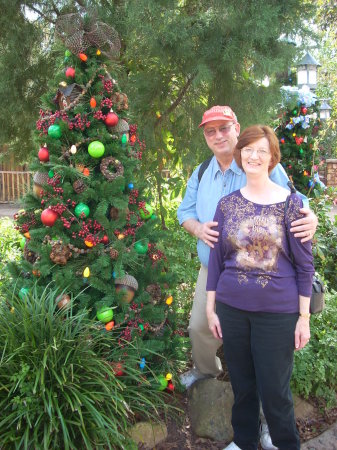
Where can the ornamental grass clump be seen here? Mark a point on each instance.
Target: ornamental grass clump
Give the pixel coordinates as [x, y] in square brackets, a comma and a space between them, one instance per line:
[58, 384]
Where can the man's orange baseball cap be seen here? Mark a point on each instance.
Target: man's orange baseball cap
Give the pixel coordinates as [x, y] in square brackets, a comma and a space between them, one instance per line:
[218, 113]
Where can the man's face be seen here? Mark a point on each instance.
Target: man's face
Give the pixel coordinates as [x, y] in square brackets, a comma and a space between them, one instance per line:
[221, 136]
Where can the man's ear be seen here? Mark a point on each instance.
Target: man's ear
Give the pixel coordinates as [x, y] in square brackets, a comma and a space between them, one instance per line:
[237, 129]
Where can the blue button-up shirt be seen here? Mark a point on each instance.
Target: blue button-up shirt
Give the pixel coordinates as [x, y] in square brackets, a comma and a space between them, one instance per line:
[200, 200]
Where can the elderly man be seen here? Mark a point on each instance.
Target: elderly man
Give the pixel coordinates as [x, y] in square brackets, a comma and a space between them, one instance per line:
[209, 182]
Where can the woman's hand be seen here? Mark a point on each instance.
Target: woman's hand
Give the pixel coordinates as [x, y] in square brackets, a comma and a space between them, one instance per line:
[214, 325]
[302, 333]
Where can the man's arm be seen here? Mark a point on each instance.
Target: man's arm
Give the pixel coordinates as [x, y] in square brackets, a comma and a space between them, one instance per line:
[303, 228]
[202, 231]
[187, 213]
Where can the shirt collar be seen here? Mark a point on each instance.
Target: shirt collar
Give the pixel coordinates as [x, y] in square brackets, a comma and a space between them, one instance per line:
[233, 167]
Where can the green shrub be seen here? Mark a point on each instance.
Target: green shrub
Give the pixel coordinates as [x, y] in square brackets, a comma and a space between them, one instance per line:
[9, 246]
[325, 241]
[315, 368]
[57, 387]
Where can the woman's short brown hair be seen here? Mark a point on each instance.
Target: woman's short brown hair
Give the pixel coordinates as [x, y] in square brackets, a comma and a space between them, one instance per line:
[253, 134]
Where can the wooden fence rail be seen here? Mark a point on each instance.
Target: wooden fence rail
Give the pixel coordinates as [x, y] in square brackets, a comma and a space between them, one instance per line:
[14, 184]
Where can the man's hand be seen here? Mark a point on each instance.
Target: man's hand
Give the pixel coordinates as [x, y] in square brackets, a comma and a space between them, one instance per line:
[305, 228]
[205, 233]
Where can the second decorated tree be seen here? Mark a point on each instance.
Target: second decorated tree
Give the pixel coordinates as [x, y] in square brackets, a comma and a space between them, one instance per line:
[297, 127]
[87, 226]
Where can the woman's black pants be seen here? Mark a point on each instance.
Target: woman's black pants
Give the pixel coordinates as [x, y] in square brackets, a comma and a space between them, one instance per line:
[258, 350]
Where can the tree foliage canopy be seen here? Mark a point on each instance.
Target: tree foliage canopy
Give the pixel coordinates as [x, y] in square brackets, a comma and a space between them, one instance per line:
[178, 56]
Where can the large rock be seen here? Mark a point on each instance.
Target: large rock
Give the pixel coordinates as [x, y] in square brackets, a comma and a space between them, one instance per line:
[149, 434]
[326, 441]
[210, 409]
[303, 409]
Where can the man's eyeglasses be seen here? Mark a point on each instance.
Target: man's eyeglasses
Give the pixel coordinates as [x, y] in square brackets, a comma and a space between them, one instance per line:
[210, 132]
[248, 151]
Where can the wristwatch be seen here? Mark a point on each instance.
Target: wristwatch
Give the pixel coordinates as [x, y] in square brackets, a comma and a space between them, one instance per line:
[305, 315]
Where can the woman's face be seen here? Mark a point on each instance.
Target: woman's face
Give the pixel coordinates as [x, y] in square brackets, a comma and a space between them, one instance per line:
[256, 157]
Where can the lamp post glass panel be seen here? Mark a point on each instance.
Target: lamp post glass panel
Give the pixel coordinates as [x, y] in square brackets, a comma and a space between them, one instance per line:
[307, 72]
[325, 110]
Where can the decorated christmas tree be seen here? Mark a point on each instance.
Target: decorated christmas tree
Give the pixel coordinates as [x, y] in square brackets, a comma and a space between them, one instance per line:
[297, 127]
[88, 228]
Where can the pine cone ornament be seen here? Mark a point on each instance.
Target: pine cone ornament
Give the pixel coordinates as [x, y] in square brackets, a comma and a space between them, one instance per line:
[155, 292]
[113, 253]
[60, 253]
[79, 186]
[114, 213]
[29, 255]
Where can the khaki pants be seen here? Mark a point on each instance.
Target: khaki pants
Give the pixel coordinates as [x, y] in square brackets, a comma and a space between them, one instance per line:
[204, 345]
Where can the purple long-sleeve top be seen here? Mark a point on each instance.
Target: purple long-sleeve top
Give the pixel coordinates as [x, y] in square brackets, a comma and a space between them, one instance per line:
[250, 267]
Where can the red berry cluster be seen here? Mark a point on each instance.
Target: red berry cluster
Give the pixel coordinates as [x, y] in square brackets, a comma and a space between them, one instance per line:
[133, 196]
[155, 255]
[179, 333]
[79, 122]
[30, 221]
[99, 115]
[107, 102]
[108, 86]
[44, 123]
[67, 222]
[90, 230]
[59, 208]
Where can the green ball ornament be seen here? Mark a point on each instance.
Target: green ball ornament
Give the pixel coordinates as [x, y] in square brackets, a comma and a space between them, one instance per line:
[54, 131]
[51, 174]
[301, 150]
[105, 314]
[147, 213]
[23, 292]
[141, 247]
[162, 383]
[67, 53]
[22, 242]
[82, 208]
[96, 149]
[124, 139]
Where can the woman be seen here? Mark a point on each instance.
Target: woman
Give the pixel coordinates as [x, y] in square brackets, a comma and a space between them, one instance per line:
[262, 298]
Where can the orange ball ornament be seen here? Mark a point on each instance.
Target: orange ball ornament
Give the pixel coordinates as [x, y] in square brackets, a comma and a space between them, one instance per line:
[89, 244]
[93, 102]
[86, 172]
[121, 236]
[109, 326]
[27, 235]
[83, 57]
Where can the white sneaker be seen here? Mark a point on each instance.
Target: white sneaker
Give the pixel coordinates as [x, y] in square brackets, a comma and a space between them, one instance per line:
[232, 446]
[265, 439]
[191, 376]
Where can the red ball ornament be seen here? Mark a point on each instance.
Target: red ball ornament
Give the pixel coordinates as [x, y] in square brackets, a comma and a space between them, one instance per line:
[111, 119]
[43, 154]
[170, 386]
[93, 102]
[105, 239]
[70, 72]
[304, 110]
[49, 217]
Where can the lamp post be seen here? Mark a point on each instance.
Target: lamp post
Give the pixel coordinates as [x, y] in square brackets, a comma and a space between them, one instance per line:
[307, 72]
[325, 110]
